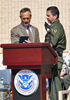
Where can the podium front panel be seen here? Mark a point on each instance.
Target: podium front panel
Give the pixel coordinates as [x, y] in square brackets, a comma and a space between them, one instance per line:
[40, 57]
[34, 96]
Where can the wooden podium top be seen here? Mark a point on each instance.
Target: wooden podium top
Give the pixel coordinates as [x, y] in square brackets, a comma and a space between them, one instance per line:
[28, 54]
[24, 45]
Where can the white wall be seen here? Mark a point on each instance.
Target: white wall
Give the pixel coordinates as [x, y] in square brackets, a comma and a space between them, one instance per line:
[1, 58]
[1, 64]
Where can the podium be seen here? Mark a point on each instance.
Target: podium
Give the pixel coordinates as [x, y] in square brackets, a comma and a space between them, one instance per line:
[37, 57]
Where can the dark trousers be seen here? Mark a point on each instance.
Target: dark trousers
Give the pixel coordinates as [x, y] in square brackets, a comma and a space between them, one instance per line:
[55, 82]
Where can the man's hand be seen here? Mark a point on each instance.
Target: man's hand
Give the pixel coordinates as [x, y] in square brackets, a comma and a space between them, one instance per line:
[51, 45]
[27, 41]
[62, 74]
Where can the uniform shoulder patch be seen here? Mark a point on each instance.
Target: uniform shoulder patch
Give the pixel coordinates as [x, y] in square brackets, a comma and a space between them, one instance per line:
[54, 31]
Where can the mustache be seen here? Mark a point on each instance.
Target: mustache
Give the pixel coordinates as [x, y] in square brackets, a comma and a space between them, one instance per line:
[26, 22]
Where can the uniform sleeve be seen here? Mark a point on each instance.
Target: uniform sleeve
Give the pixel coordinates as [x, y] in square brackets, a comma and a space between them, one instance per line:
[58, 35]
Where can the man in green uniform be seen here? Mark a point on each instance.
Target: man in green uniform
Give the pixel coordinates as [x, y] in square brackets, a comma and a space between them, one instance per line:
[65, 72]
[58, 42]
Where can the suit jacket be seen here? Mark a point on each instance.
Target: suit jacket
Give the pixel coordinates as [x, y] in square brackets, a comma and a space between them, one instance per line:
[19, 31]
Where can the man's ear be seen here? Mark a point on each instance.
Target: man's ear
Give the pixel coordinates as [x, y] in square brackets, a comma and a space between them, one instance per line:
[55, 16]
[20, 16]
[30, 16]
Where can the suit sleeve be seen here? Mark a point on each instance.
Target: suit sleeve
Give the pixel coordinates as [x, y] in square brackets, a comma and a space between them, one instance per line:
[37, 39]
[14, 37]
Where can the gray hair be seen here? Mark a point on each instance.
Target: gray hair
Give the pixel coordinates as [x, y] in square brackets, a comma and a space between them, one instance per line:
[24, 10]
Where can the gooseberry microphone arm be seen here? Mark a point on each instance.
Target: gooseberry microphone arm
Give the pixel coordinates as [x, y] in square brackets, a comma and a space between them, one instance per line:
[48, 34]
[47, 26]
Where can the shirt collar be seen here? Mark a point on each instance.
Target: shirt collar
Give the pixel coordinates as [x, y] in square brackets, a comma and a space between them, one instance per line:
[55, 22]
[26, 27]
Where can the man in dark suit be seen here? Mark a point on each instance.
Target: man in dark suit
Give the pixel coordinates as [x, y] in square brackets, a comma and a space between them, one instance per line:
[24, 28]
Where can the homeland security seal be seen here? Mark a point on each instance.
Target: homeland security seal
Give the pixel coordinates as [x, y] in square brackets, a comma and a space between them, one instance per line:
[26, 82]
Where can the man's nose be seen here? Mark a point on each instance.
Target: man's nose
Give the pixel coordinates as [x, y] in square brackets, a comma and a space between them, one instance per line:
[26, 19]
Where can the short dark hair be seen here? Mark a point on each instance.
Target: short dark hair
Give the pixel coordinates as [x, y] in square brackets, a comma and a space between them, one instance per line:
[54, 10]
[24, 10]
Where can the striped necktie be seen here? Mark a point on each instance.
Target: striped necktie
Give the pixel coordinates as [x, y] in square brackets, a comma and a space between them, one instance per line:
[30, 35]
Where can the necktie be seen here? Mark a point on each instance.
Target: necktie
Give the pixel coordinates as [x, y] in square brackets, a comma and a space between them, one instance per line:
[30, 35]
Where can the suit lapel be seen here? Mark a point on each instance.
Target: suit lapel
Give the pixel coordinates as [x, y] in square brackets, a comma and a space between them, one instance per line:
[23, 30]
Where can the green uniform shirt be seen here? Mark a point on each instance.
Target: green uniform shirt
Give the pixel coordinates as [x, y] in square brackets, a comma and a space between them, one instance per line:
[58, 38]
